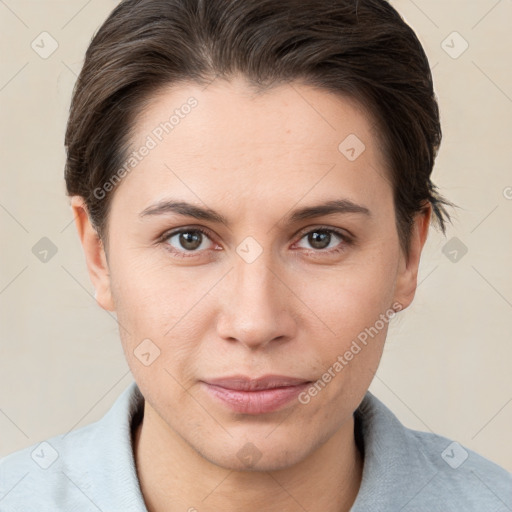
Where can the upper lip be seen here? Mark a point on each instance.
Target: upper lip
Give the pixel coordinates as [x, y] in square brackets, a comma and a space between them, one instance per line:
[243, 383]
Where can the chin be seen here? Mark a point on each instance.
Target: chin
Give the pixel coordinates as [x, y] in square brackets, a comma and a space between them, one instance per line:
[258, 453]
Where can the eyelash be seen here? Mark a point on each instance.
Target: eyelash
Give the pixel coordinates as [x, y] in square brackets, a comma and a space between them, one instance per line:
[346, 240]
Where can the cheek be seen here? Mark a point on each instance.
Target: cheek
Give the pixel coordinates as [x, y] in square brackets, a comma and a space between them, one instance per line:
[150, 294]
[168, 305]
[155, 311]
[352, 298]
[354, 305]
[349, 353]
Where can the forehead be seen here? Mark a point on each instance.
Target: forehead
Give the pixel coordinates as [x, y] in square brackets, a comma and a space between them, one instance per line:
[311, 118]
[226, 141]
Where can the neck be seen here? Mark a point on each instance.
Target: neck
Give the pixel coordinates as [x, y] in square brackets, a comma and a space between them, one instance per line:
[174, 477]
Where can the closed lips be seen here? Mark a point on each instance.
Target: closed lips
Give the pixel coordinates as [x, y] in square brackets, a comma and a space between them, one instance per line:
[243, 383]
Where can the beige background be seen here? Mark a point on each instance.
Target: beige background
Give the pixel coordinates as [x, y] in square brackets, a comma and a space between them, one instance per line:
[447, 363]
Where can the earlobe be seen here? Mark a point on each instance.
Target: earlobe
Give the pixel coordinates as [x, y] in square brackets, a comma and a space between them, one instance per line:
[407, 279]
[94, 252]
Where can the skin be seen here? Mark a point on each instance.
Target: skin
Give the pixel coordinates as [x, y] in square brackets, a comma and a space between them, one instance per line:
[292, 311]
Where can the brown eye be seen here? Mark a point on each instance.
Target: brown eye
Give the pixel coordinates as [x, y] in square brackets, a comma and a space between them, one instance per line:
[190, 241]
[324, 239]
[187, 240]
[319, 239]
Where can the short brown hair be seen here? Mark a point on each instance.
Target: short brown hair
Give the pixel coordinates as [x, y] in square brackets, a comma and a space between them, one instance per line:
[360, 49]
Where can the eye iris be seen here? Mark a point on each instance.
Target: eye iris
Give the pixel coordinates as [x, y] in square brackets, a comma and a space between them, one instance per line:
[190, 239]
[317, 239]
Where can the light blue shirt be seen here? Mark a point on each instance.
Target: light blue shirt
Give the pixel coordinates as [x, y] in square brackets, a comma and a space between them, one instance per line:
[93, 468]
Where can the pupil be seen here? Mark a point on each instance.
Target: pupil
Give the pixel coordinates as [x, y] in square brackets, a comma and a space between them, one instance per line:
[318, 238]
[190, 240]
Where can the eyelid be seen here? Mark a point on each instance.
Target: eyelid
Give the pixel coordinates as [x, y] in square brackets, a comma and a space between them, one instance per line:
[346, 237]
[176, 231]
[343, 233]
[340, 231]
[347, 240]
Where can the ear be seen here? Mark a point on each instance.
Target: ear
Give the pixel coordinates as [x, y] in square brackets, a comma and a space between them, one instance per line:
[407, 279]
[95, 256]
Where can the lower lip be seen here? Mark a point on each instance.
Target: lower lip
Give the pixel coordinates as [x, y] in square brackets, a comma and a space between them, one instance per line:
[256, 402]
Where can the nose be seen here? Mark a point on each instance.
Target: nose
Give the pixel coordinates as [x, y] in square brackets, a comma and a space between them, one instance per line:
[256, 305]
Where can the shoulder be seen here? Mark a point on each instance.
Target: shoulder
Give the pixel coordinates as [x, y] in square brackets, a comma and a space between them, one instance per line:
[89, 468]
[43, 473]
[419, 471]
[463, 472]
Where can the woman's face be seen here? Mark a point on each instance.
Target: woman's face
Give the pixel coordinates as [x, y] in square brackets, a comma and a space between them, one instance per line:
[267, 291]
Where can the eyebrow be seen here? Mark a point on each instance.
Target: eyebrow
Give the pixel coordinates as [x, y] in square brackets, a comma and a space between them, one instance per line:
[203, 213]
